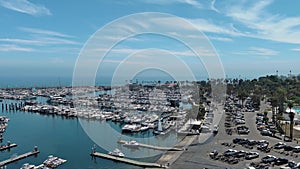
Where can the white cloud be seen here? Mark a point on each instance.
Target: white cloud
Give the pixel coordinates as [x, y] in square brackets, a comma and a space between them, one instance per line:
[296, 49]
[40, 37]
[165, 2]
[220, 39]
[14, 48]
[263, 25]
[258, 51]
[24, 6]
[45, 32]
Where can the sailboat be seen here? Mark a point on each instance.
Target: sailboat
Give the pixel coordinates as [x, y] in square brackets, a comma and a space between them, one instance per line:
[159, 129]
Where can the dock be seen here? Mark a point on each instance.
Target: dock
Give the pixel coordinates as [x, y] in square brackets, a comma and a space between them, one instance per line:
[8, 146]
[19, 157]
[128, 161]
[154, 147]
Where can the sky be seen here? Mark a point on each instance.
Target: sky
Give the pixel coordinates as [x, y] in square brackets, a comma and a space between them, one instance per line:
[44, 38]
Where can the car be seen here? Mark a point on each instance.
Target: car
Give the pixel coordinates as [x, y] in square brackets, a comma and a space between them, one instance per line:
[251, 155]
[279, 145]
[268, 159]
[236, 140]
[230, 152]
[266, 132]
[240, 154]
[281, 161]
[262, 146]
[252, 142]
[213, 154]
[296, 149]
[288, 148]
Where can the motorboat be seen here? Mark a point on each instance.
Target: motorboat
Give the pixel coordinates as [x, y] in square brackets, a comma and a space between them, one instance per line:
[131, 143]
[116, 153]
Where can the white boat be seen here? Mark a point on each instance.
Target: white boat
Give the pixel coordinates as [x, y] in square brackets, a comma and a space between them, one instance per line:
[116, 153]
[27, 166]
[131, 143]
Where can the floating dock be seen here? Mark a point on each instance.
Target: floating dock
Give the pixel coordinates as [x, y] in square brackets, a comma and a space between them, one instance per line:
[19, 157]
[8, 146]
[153, 147]
[128, 161]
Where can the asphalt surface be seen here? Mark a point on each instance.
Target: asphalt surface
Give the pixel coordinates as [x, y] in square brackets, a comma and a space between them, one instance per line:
[196, 156]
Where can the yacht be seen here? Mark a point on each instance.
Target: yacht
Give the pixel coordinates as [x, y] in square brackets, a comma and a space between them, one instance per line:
[131, 143]
[27, 166]
[116, 153]
[159, 129]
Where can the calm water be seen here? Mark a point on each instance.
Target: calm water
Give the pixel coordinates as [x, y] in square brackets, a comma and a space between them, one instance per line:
[54, 135]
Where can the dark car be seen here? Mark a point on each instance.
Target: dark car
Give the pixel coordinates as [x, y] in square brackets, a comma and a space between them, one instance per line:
[288, 148]
[236, 140]
[240, 154]
[252, 142]
[251, 155]
[281, 161]
[268, 159]
[279, 145]
[230, 152]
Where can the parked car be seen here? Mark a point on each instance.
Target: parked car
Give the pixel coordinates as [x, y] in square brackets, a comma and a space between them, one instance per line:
[266, 132]
[281, 161]
[279, 145]
[240, 154]
[230, 152]
[251, 155]
[213, 154]
[296, 149]
[268, 159]
[288, 148]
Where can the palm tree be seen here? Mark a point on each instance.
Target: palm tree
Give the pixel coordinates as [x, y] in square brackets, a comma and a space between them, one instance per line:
[291, 115]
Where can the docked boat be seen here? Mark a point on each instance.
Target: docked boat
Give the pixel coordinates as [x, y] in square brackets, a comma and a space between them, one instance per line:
[159, 129]
[27, 166]
[116, 153]
[132, 143]
[131, 128]
[53, 161]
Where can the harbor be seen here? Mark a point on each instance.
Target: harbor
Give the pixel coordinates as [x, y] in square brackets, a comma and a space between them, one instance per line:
[19, 157]
[128, 161]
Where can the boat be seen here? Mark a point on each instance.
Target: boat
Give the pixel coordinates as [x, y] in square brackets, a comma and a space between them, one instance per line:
[159, 129]
[116, 153]
[131, 128]
[27, 166]
[53, 161]
[131, 143]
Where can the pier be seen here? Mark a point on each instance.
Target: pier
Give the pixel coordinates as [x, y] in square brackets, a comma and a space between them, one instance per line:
[128, 161]
[8, 146]
[19, 157]
[153, 147]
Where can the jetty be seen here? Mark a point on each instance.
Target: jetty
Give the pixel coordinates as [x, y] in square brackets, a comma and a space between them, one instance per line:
[128, 161]
[8, 146]
[153, 147]
[19, 157]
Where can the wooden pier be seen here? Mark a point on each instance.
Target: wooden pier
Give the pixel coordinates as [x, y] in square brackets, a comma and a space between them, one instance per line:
[153, 147]
[8, 146]
[19, 157]
[128, 161]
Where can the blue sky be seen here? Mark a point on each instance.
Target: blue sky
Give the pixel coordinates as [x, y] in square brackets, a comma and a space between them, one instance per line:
[252, 38]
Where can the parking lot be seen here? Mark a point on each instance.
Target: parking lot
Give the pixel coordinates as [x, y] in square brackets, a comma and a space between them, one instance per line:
[236, 150]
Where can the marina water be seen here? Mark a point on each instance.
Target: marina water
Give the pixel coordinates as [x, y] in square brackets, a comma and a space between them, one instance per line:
[54, 135]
